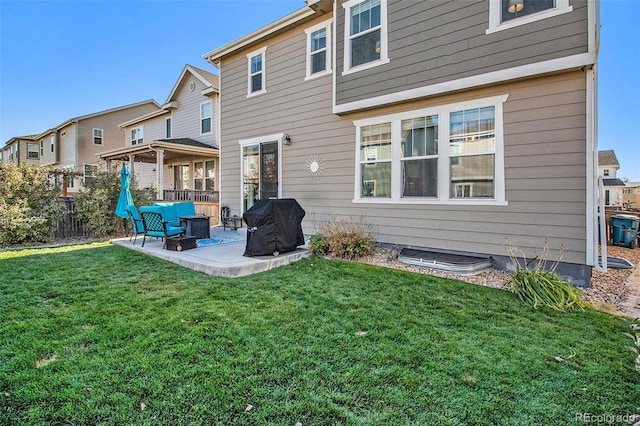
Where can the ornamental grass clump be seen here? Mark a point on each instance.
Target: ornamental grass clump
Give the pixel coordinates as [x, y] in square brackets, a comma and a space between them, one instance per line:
[347, 239]
[538, 285]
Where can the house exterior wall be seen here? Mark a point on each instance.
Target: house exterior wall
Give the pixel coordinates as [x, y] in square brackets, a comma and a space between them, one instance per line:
[545, 122]
[49, 157]
[112, 134]
[68, 149]
[433, 42]
[185, 120]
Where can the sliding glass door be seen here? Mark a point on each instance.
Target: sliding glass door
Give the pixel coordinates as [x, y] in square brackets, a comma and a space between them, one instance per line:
[260, 172]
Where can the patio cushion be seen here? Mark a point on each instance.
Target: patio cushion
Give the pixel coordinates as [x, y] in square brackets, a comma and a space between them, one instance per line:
[171, 212]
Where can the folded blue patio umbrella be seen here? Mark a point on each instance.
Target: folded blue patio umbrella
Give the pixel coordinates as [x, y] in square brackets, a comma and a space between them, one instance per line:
[125, 198]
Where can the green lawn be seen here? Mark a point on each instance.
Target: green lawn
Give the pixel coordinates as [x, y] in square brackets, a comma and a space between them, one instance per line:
[98, 334]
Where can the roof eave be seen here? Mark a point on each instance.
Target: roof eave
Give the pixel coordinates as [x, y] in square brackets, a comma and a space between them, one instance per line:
[216, 55]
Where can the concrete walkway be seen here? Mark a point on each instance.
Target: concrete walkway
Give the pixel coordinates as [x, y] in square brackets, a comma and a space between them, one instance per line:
[631, 304]
[220, 260]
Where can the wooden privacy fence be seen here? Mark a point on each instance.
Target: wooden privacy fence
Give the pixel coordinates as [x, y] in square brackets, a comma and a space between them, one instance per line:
[70, 226]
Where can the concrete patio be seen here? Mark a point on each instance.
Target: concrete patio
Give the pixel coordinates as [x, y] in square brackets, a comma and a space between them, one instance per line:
[220, 260]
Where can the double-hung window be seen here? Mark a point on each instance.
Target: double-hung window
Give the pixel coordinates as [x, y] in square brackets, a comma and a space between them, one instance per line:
[137, 135]
[90, 174]
[319, 50]
[167, 127]
[256, 72]
[447, 154]
[205, 117]
[365, 34]
[97, 136]
[33, 151]
[505, 14]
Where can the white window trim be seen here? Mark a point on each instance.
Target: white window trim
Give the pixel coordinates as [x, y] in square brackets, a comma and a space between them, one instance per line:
[37, 157]
[257, 141]
[168, 125]
[309, 31]
[93, 136]
[210, 118]
[137, 138]
[495, 8]
[262, 52]
[443, 196]
[384, 48]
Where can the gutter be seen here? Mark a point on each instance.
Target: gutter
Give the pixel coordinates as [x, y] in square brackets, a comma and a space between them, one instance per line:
[216, 55]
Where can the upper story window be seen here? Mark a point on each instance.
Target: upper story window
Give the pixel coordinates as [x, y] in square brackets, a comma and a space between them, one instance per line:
[33, 151]
[505, 14]
[52, 143]
[319, 50]
[365, 34]
[137, 135]
[41, 148]
[205, 117]
[447, 154]
[606, 172]
[97, 136]
[256, 72]
[167, 126]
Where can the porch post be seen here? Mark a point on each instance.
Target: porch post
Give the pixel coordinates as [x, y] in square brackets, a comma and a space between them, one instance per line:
[132, 164]
[160, 173]
[108, 165]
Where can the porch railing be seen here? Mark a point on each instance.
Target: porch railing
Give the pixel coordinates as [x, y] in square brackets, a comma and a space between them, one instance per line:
[190, 195]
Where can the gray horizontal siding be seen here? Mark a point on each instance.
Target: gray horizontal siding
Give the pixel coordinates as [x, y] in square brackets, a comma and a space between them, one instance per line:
[545, 158]
[431, 42]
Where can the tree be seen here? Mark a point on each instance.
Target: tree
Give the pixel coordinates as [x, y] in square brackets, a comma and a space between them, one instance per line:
[29, 207]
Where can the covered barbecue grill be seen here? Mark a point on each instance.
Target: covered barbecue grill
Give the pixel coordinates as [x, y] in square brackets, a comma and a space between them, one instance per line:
[273, 226]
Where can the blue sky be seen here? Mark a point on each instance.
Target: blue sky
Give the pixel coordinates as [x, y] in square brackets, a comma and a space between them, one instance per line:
[62, 59]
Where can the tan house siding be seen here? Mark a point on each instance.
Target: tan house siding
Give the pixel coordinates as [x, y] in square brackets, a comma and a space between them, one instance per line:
[68, 147]
[186, 118]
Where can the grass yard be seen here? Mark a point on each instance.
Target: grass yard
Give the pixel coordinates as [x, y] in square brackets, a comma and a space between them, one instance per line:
[98, 334]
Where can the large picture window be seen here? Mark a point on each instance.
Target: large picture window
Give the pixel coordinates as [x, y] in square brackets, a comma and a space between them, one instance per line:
[447, 154]
[366, 34]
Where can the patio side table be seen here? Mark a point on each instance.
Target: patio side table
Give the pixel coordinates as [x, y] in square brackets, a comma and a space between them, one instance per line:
[196, 226]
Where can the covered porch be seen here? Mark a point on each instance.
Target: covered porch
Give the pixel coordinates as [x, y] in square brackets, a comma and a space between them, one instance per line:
[178, 169]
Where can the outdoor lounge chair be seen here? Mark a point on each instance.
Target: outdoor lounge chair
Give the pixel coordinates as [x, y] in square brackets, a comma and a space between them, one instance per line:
[136, 222]
[227, 220]
[156, 226]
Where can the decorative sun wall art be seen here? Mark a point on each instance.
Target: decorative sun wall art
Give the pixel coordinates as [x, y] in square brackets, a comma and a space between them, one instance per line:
[314, 166]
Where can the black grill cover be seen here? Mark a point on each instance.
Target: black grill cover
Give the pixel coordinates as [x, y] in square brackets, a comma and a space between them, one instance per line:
[274, 226]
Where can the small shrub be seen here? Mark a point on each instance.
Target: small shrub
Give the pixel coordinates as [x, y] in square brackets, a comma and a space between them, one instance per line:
[349, 239]
[635, 336]
[318, 245]
[97, 203]
[538, 285]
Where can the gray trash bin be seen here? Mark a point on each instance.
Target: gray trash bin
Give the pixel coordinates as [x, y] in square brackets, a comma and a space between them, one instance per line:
[625, 230]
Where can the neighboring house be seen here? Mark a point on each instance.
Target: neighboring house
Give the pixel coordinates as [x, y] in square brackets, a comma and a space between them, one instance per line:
[608, 167]
[631, 195]
[74, 144]
[174, 149]
[447, 125]
[20, 150]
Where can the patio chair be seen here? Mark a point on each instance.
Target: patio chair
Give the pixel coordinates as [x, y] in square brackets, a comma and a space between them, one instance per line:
[136, 222]
[156, 226]
[227, 220]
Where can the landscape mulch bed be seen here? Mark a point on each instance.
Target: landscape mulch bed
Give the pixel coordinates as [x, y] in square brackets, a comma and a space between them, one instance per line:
[606, 291]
